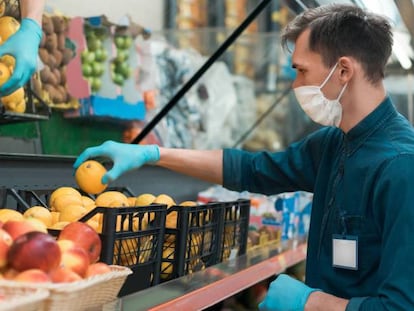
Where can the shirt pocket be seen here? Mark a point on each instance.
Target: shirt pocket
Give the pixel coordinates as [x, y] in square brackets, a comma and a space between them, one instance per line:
[369, 241]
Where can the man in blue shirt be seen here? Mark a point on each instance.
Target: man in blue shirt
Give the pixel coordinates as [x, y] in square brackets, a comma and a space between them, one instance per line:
[359, 167]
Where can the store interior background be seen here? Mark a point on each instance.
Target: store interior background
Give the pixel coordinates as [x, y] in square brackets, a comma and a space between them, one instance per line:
[243, 101]
[258, 113]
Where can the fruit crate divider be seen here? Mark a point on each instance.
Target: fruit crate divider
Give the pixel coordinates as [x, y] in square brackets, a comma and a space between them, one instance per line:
[182, 232]
[240, 222]
[109, 233]
[182, 221]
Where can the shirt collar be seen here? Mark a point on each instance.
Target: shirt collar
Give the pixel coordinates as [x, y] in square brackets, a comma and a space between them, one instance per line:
[358, 134]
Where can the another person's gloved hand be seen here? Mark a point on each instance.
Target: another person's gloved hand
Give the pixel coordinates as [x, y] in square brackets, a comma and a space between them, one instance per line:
[24, 47]
[125, 157]
[286, 294]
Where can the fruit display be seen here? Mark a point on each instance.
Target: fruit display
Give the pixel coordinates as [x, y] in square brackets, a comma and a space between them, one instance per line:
[16, 101]
[28, 253]
[55, 52]
[94, 57]
[120, 68]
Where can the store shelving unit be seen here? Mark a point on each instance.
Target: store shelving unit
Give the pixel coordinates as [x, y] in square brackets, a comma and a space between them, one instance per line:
[198, 290]
[208, 287]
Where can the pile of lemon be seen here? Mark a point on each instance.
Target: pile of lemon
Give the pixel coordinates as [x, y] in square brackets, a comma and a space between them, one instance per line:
[15, 101]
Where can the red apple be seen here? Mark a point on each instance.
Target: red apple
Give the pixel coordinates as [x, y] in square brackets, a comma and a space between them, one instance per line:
[65, 245]
[32, 275]
[64, 275]
[75, 259]
[84, 236]
[97, 268]
[5, 243]
[34, 250]
[18, 227]
[10, 273]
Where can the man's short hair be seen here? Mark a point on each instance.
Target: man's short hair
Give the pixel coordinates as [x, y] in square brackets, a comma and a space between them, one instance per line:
[338, 30]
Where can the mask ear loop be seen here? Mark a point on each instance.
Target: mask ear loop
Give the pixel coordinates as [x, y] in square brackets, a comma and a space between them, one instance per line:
[342, 91]
[329, 75]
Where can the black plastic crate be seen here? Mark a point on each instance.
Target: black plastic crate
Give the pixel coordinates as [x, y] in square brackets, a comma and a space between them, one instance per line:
[204, 235]
[194, 242]
[131, 236]
[235, 229]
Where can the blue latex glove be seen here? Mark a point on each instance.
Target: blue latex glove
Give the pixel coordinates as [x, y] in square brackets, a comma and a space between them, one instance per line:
[125, 157]
[24, 47]
[286, 294]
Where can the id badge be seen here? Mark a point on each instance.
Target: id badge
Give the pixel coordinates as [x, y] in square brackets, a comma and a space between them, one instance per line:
[345, 251]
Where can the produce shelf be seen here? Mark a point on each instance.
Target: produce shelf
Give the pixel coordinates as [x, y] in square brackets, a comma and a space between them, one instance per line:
[205, 288]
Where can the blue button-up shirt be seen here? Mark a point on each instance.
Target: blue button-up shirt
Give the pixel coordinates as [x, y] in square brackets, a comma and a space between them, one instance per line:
[362, 183]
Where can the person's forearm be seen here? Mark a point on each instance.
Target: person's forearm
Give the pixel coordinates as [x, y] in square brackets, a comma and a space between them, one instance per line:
[201, 164]
[320, 301]
[32, 9]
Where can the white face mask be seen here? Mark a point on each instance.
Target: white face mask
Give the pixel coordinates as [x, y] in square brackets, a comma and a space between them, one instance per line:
[319, 108]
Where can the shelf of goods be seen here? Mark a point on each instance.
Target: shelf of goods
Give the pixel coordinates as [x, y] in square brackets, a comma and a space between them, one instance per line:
[216, 232]
[205, 288]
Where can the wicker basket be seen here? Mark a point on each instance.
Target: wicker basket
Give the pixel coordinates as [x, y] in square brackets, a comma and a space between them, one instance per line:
[89, 294]
[17, 298]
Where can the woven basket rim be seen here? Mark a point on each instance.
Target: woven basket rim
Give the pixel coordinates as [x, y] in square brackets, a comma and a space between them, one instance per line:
[117, 272]
[23, 296]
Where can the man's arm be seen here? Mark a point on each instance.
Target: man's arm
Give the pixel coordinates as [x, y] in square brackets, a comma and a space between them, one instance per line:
[32, 9]
[320, 301]
[202, 164]
[287, 293]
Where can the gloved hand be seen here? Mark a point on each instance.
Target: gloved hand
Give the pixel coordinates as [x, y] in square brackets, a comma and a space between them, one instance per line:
[286, 294]
[125, 157]
[24, 47]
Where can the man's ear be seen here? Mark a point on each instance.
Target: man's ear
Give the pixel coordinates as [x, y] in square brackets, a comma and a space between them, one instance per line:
[346, 67]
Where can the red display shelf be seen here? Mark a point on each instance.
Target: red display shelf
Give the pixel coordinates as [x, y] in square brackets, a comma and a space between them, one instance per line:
[214, 284]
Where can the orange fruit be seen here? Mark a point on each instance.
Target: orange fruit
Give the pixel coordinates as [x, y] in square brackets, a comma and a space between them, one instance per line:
[16, 96]
[188, 203]
[5, 73]
[39, 212]
[10, 214]
[87, 202]
[164, 199]
[95, 225]
[72, 212]
[144, 199]
[59, 225]
[15, 101]
[64, 200]
[8, 26]
[88, 176]
[19, 106]
[8, 60]
[112, 199]
[55, 217]
[131, 201]
[38, 224]
[61, 191]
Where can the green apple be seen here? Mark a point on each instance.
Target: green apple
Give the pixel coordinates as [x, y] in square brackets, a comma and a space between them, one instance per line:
[101, 55]
[121, 56]
[97, 69]
[118, 78]
[123, 69]
[94, 44]
[87, 56]
[86, 70]
[96, 84]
